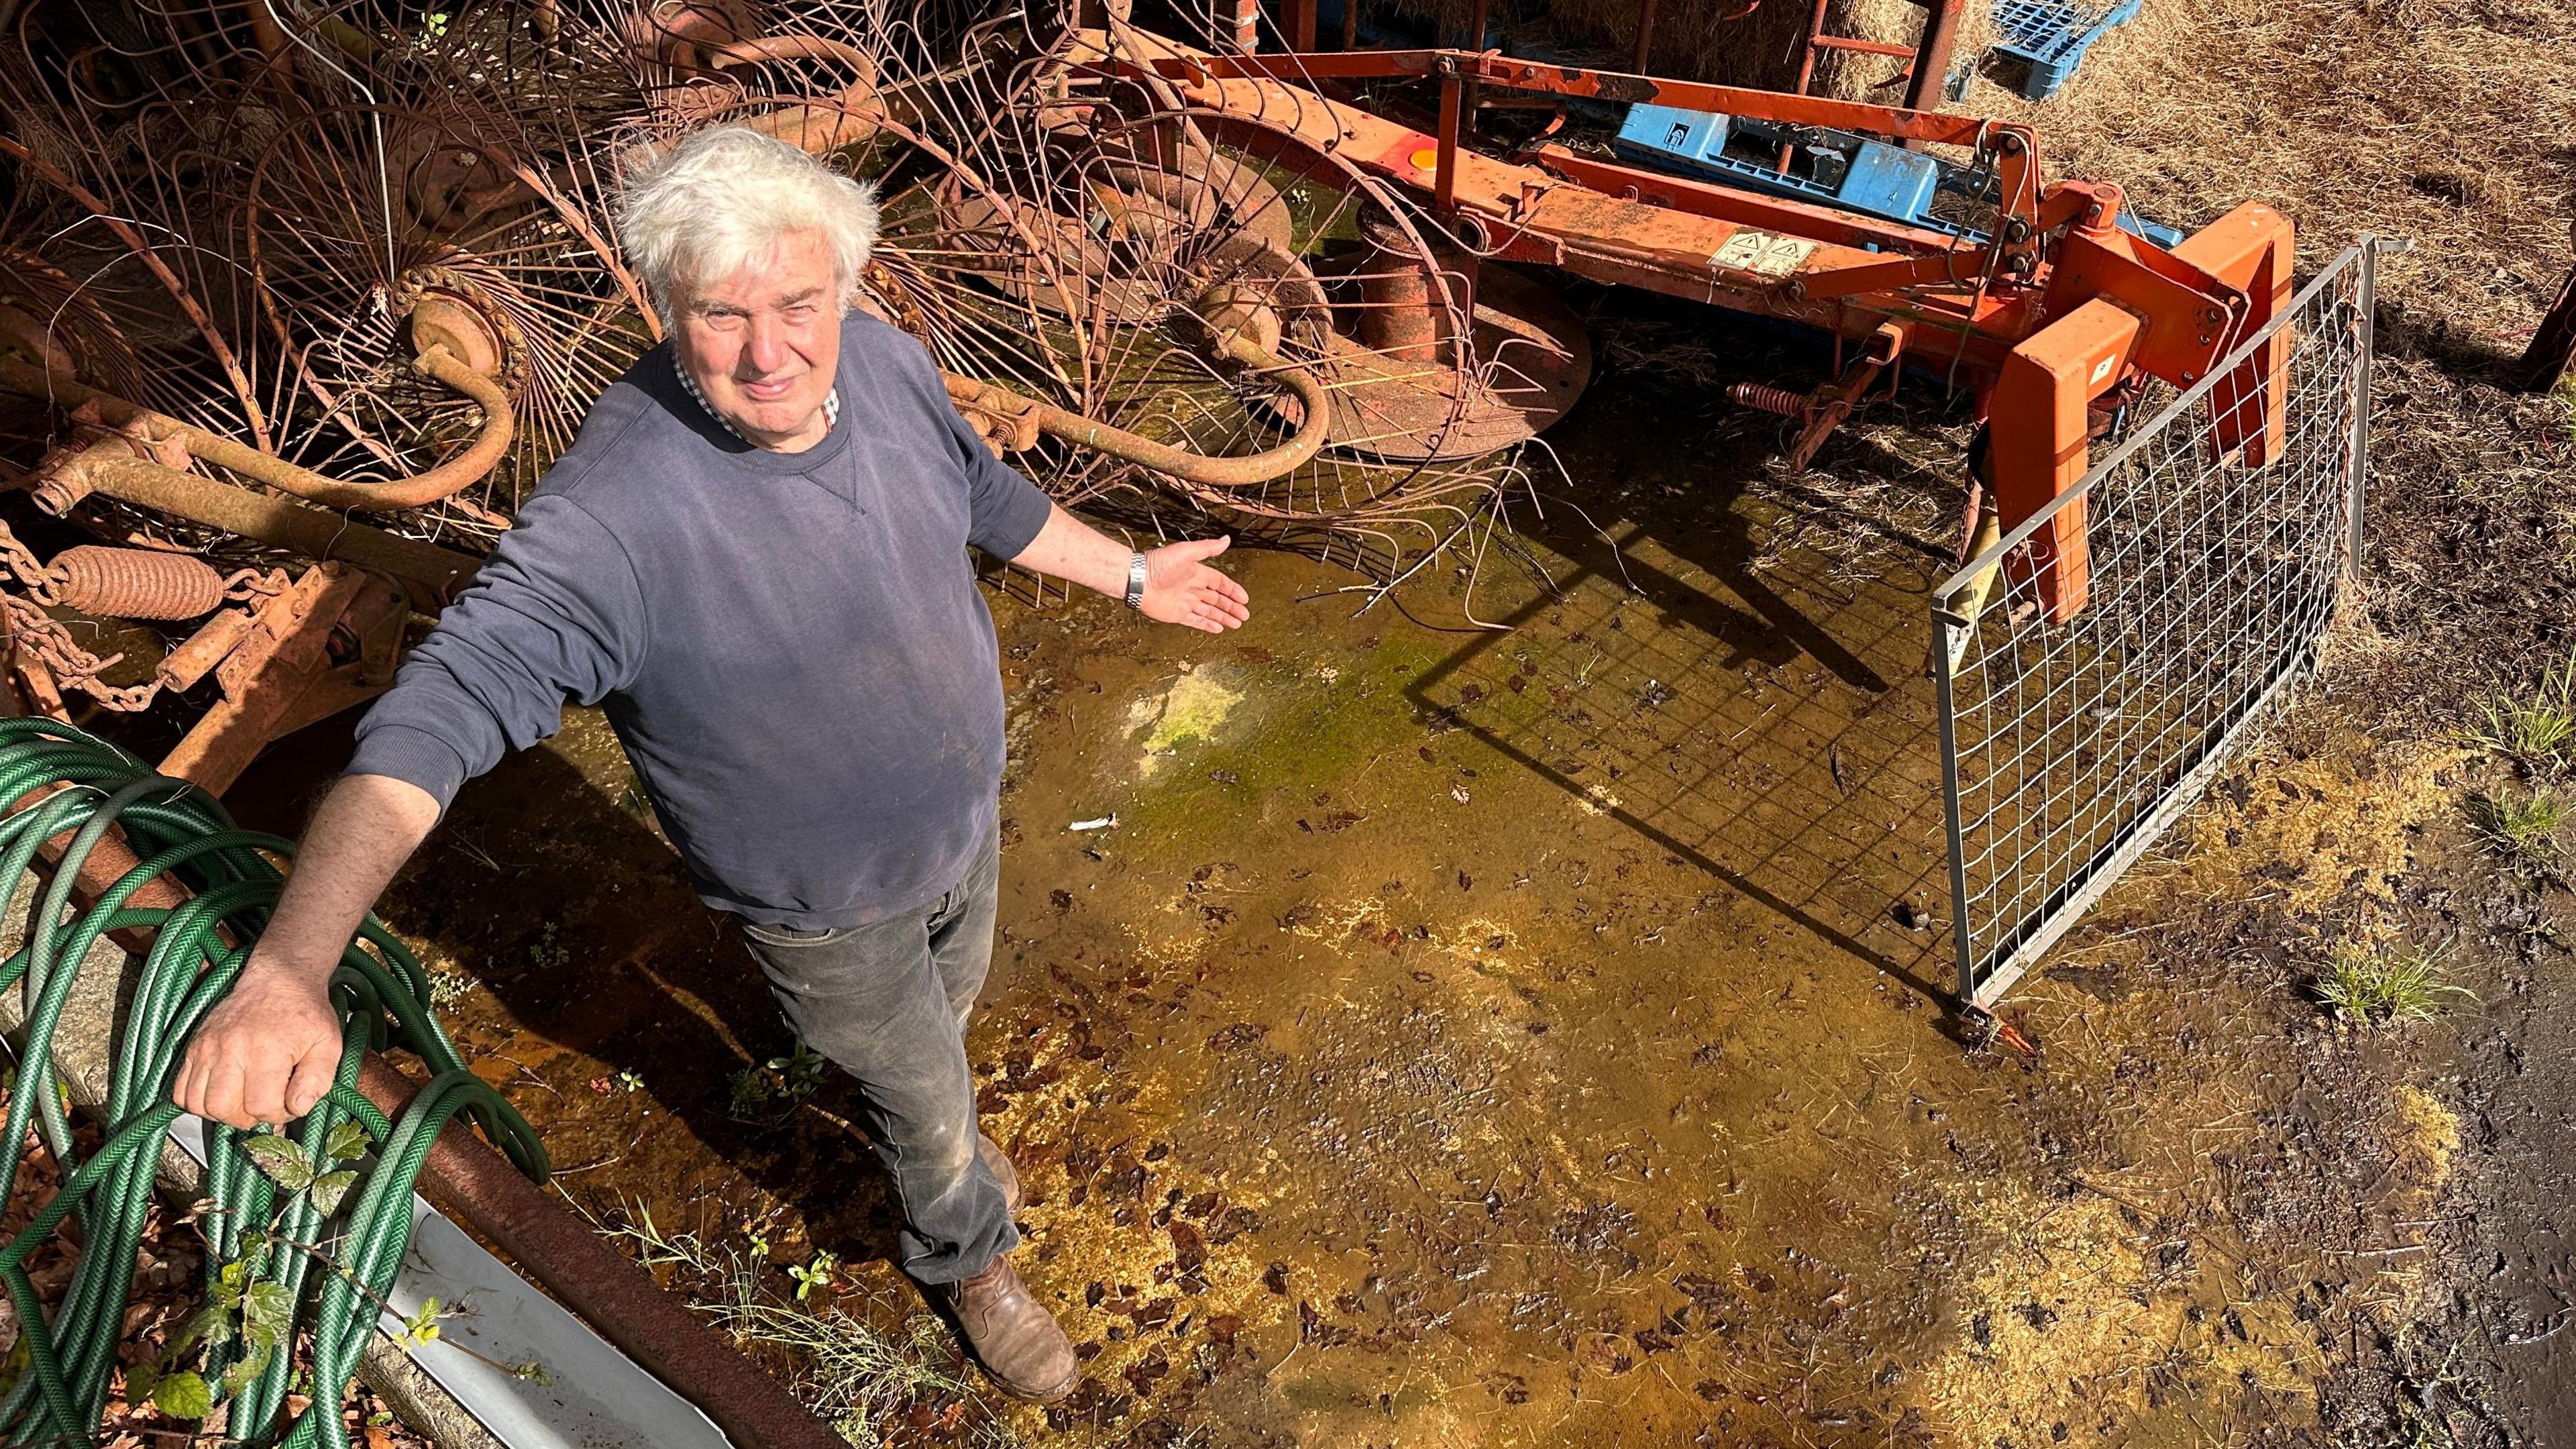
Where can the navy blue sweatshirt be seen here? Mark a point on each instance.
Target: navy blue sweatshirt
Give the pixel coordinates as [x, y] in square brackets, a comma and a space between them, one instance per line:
[791, 646]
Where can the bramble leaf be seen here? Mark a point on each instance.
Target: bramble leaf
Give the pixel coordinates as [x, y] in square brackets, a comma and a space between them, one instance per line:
[212, 1324]
[330, 1188]
[241, 1375]
[347, 1142]
[269, 1311]
[282, 1159]
[422, 1327]
[183, 1395]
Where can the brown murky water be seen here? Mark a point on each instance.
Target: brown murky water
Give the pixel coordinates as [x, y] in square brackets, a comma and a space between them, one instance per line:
[1503, 1037]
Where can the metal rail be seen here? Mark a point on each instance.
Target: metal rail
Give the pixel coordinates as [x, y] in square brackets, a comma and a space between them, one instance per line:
[2069, 747]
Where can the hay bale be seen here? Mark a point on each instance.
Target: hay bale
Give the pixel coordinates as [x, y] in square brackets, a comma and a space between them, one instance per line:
[1693, 42]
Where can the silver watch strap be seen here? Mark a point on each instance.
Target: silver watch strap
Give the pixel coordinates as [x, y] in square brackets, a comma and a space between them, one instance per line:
[1135, 581]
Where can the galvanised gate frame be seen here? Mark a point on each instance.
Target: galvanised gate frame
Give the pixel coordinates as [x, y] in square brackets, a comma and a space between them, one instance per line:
[2068, 747]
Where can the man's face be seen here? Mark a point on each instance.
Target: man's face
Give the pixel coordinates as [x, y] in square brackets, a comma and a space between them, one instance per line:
[763, 344]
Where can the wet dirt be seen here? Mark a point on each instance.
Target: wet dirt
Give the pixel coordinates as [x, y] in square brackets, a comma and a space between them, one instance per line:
[1537, 1035]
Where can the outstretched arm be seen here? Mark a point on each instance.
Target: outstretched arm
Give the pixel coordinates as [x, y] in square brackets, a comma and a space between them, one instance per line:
[556, 612]
[1180, 587]
[267, 1052]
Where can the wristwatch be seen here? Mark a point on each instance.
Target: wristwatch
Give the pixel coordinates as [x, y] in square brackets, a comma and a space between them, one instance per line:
[1135, 581]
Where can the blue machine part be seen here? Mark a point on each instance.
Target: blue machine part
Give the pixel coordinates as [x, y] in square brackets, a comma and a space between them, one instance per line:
[2156, 232]
[1891, 181]
[1677, 135]
[1841, 170]
[2051, 36]
[1694, 143]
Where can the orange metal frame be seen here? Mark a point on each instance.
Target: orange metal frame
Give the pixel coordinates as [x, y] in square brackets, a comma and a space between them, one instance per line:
[2062, 307]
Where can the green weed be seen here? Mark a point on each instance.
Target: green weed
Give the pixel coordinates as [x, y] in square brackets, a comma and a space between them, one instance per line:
[2384, 983]
[2538, 730]
[2521, 828]
[767, 1092]
[817, 1274]
[544, 954]
[447, 988]
[854, 1376]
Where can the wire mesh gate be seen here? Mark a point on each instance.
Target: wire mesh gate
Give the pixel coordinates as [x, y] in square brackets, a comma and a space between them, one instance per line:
[2068, 747]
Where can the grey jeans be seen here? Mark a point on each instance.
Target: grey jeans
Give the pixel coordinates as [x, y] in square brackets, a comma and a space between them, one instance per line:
[888, 1004]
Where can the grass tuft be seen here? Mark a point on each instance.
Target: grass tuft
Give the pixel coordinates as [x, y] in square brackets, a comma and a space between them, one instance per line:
[2521, 828]
[2384, 983]
[2539, 730]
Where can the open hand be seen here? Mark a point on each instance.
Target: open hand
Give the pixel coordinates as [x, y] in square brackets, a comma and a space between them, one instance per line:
[1181, 589]
[266, 1053]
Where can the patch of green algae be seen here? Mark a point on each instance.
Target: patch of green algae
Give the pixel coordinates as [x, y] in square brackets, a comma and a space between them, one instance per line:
[1288, 728]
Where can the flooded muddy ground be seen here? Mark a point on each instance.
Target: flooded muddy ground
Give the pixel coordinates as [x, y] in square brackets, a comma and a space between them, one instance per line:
[1538, 1035]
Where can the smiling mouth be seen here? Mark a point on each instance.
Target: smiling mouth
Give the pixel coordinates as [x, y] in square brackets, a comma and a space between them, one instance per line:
[766, 391]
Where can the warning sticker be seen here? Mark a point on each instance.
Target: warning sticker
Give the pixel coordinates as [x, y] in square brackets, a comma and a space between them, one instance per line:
[1763, 253]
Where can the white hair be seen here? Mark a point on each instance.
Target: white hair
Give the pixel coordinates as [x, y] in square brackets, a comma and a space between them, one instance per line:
[722, 200]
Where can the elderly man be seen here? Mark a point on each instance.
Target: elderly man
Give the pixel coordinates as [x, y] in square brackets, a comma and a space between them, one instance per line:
[755, 556]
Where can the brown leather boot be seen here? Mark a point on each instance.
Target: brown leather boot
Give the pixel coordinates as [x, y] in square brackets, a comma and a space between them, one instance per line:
[1004, 1171]
[1022, 1348]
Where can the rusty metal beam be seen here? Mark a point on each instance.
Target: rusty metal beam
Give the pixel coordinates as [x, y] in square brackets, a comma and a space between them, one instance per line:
[435, 573]
[1566, 80]
[475, 1185]
[1743, 207]
[1941, 20]
[282, 676]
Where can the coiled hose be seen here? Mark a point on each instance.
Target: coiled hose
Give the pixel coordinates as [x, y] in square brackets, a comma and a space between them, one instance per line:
[290, 1260]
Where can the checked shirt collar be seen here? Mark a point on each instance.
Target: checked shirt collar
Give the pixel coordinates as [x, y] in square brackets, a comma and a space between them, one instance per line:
[831, 403]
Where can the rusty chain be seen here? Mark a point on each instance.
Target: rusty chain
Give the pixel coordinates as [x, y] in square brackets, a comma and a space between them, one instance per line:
[43, 638]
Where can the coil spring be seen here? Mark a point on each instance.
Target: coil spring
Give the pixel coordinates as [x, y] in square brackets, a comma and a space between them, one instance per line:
[135, 583]
[1769, 399]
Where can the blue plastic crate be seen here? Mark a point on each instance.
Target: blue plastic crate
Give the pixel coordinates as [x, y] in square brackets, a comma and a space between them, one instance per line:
[2052, 36]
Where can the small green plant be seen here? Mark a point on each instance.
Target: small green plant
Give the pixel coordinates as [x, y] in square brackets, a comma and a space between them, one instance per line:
[446, 988]
[747, 1094]
[422, 1327]
[816, 1274]
[768, 1091]
[802, 1070]
[2522, 828]
[544, 954]
[2382, 983]
[2539, 730]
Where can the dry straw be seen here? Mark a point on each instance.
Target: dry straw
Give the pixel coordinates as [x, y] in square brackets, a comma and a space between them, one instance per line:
[1695, 41]
[2443, 122]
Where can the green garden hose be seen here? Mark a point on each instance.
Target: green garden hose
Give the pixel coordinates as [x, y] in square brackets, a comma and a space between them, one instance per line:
[305, 1228]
